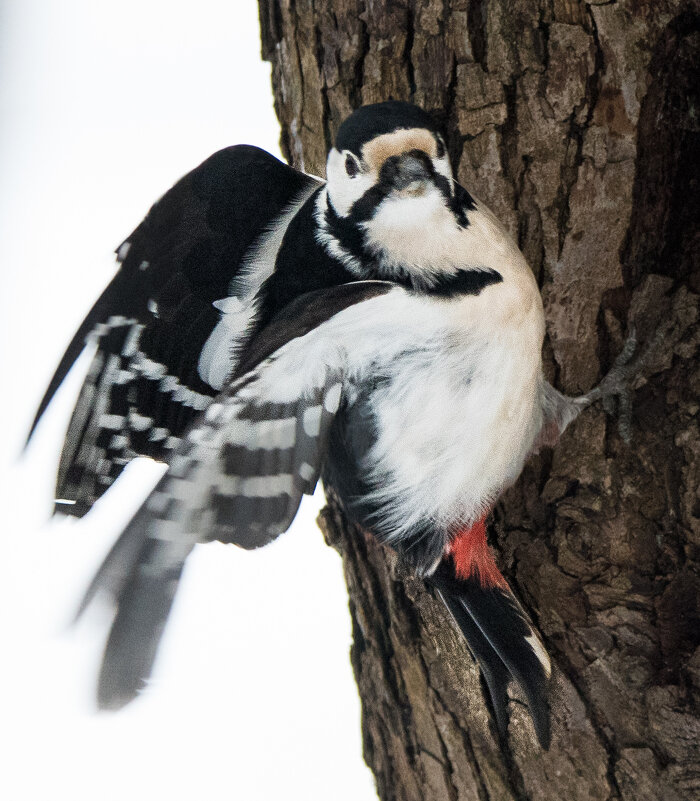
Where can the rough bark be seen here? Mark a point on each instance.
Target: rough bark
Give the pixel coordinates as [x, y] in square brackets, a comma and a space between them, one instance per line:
[577, 122]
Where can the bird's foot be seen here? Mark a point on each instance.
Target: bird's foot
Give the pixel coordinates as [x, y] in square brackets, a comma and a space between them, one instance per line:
[616, 388]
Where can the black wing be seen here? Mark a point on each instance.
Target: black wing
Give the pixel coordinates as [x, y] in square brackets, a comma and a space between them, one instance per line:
[237, 475]
[151, 323]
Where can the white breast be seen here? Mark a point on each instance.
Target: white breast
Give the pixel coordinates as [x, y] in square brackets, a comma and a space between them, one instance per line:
[456, 425]
[458, 408]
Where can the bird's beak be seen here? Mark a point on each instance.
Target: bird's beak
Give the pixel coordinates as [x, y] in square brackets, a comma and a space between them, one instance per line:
[408, 173]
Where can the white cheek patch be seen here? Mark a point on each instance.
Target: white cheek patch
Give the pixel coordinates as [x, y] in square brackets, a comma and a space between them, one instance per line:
[343, 190]
[442, 167]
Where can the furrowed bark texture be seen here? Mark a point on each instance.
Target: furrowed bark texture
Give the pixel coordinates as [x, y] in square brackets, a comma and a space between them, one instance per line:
[577, 122]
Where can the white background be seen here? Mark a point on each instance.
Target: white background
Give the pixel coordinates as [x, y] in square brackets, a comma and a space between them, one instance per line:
[103, 106]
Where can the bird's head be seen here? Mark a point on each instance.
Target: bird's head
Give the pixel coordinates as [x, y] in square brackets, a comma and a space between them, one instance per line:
[394, 151]
[390, 186]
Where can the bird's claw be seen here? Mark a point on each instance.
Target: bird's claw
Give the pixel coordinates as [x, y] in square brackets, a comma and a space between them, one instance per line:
[617, 386]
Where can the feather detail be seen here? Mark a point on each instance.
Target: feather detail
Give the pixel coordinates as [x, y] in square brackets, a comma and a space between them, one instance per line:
[473, 559]
[212, 236]
[506, 638]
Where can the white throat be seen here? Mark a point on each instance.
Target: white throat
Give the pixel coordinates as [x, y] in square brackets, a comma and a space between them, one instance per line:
[418, 233]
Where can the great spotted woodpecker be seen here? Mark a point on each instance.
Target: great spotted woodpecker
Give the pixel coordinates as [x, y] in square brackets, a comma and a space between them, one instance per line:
[264, 327]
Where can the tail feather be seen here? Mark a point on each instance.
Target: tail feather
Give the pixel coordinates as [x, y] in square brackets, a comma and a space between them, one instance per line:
[503, 640]
[495, 673]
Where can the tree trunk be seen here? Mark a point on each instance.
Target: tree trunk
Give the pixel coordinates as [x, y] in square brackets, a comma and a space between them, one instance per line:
[577, 123]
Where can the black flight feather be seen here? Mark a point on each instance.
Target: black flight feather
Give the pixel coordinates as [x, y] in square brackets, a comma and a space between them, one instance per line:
[151, 323]
[237, 475]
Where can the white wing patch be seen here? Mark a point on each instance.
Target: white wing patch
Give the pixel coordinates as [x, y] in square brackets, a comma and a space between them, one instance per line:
[217, 360]
[312, 420]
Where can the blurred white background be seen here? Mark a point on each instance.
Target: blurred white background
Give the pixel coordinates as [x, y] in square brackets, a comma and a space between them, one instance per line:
[103, 106]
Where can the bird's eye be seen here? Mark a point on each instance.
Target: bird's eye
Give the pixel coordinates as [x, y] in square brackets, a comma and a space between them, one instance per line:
[351, 165]
[440, 151]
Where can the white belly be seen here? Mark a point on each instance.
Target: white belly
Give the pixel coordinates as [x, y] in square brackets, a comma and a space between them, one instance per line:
[453, 388]
[454, 431]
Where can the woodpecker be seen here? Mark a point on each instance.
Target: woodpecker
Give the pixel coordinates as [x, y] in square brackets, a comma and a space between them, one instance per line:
[266, 328]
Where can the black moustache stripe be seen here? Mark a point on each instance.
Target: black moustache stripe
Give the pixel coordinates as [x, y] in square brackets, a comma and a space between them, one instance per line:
[347, 231]
[349, 234]
[458, 202]
[465, 282]
[366, 207]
